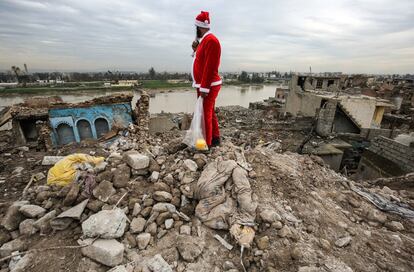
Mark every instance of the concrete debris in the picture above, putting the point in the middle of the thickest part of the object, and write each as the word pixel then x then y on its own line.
pixel 107 252
pixel 158 264
pixel 106 224
pixel 136 160
pixel 143 240
pixel 51 160
pixel 13 216
pixel 190 247
pixel 74 212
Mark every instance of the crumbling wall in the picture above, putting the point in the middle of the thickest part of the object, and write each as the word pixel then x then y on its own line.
pixel 326 118
pixel 142 114
pixel 396 152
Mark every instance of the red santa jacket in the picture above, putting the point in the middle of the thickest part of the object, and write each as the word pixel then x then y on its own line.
pixel 206 62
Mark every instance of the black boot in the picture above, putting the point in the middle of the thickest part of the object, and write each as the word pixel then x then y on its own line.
pixel 215 141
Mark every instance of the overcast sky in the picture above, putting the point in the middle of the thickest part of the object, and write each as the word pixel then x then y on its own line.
pixel 353 36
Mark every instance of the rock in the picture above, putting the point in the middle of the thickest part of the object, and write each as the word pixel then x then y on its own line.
pixel 143 240
pixel 169 179
pixel 43 223
pixel 285 232
pixel 136 210
pixel 107 175
pixel 162 196
pixel 27 227
pixel 376 216
pixel 42 196
pixel 161 186
pixel 263 242
pixel 136 160
pixel 107 252
pixel 158 264
pixel 4 236
pixel 95 205
pixel 104 191
pixel 190 165
pixel 74 212
pixel 105 224
pixel 23 264
pixel 200 160
pixel 121 176
pixel 277 225
pixel 185 230
pixel 130 239
pixel 154 176
pixel 72 194
pixel 394 226
pixel 343 242
pixel 169 223
pixel 269 216
pixel 60 223
pixel 13 217
pixel 152 229
pixel 32 211
pixel 137 225
pixel 228 265
pixel 100 167
pixel 162 217
pixel 324 244
pixel 190 247
pixel 14 245
pixel 146 211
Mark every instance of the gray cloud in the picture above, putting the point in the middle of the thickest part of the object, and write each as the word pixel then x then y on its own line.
pixel 372 36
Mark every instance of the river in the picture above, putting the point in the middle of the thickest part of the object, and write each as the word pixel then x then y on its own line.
pixel 173 101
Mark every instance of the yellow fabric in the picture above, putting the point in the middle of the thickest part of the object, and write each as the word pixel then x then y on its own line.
pixel 64 171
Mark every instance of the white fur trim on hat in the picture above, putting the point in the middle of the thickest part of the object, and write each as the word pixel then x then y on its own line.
pixel 204 24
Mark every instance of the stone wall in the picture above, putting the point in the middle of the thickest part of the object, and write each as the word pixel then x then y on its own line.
pixel 372 133
pixel 398 153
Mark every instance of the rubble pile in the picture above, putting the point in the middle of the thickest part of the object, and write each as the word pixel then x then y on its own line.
pixel 154 205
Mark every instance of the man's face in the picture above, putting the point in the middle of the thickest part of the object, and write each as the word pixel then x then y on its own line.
pixel 199 33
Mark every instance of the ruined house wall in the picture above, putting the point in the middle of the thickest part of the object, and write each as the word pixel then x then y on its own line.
pixel 302 103
pixel 326 118
pixel 396 152
pixel 372 133
pixel 361 109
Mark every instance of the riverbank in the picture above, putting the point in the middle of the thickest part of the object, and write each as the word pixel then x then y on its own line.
pixel 158 85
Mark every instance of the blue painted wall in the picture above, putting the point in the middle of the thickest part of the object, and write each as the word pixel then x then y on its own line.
pixel 119 114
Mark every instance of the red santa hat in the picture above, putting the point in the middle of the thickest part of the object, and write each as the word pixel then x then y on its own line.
pixel 203 20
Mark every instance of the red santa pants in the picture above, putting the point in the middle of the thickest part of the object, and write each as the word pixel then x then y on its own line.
pixel 210 118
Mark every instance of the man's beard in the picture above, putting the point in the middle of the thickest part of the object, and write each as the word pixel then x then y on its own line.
pixel 198 32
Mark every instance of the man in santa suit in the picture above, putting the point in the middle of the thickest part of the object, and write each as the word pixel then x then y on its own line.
pixel 206 61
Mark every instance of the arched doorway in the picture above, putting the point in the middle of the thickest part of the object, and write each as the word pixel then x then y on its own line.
pixel 65 134
pixel 101 126
pixel 84 129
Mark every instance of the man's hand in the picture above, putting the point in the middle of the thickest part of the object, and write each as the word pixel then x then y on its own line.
pixel 203 95
pixel 194 45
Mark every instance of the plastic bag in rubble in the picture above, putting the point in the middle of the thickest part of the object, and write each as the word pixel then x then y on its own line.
pixel 195 136
pixel 65 171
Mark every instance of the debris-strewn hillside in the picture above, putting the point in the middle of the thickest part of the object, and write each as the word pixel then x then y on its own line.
pixel 154 205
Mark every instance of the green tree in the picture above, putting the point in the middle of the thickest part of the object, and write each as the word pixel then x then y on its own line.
pixel 244 77
pixel 152 73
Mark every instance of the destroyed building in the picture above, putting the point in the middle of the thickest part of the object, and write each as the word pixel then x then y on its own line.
pixel 62 123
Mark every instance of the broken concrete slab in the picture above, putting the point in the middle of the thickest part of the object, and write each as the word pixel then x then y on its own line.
pixel 51 160
pixel 136 160
pixel 74 212
pixel 105 224
pixel 107 252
